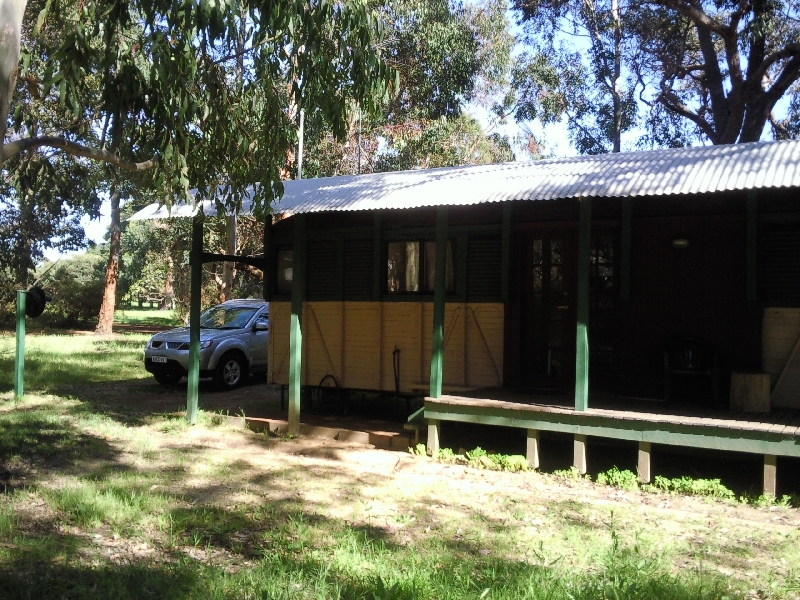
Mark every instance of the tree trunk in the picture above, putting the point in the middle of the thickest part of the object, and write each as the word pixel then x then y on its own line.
pixel 169 288
pixel 105 321
pixel 11 13
pixel 228 268
pixel 617 95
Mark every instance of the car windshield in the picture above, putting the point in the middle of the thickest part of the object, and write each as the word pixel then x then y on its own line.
pixel 226 317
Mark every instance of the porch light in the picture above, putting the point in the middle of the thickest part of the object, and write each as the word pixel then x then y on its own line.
pixel 680 243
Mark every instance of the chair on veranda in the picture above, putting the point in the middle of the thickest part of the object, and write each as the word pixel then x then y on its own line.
pixel 690 356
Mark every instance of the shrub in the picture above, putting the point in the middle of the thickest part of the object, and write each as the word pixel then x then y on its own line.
pixel 624 480
pixel 76 286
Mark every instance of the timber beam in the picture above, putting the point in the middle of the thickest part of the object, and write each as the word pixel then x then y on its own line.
pixel 579 453
pixel 707 437
pixel 644 462
pixel 770 474
pixel 532 450
pixel 253 261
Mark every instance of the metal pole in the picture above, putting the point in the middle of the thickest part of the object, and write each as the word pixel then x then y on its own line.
pixel 196 265
pixel 19 362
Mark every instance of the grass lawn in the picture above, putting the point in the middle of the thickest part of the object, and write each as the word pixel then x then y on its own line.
pixel 100 503
pixel 146 316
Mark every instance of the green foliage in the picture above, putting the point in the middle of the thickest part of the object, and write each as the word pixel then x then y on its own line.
pixel 418 450
pixel 203 91
pixel 635 69
pixel 571 474
pixel 694 487
pixel 446 54
pixel 76 286
pixel 624 480
pixel 477 459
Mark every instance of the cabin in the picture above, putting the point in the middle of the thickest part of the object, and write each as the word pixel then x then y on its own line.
pixel 651 296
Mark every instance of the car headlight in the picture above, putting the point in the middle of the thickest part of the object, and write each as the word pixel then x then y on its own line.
pixel 206 344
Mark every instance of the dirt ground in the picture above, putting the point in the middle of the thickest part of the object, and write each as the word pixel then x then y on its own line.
pixel 409 499
pixel 135 401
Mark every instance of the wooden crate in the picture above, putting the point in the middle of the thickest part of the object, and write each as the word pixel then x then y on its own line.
pixel 750 392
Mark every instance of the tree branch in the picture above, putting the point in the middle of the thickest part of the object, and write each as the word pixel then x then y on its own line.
pixel 788 51
pixel 696 15
pixel 675 105
pixel 790 74
pixel 11 149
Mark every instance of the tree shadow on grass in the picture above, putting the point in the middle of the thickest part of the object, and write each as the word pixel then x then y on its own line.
pixel 23 579
pixel 47 440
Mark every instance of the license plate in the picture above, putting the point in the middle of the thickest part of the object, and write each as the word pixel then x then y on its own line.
pixel 159 359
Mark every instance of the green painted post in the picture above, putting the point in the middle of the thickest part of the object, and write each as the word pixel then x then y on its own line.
pixel 19 362
pixel 296 322
pixel 582 339
pixel 266 272
pixel 505 267
pixel 437 340
pixel 196 265
pixel 625 258
pixel 752 246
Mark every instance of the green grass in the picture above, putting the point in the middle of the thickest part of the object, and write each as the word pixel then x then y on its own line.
pixel 146 316
pixel 55 361
pixel 92 506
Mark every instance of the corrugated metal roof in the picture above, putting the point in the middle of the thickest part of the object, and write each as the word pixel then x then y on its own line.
pixel 671 171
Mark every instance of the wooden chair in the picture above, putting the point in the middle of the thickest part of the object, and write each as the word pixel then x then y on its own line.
pixel 690 356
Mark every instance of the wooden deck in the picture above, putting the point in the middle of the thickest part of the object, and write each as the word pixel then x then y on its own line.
pixel 776 433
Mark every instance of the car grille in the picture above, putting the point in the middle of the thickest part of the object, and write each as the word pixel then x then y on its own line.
pixel 177 345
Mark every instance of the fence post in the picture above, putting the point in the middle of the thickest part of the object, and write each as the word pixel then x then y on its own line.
pixel 19 361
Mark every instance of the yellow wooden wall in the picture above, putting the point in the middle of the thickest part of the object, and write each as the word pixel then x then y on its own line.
pixel 354 342
pixel 780 333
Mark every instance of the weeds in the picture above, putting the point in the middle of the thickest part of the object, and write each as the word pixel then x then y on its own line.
pixel 624 480
pixel 710 488
pixel 571 474
pixel 477 459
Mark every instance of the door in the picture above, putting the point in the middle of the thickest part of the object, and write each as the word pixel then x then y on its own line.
pixel 548 311
pixel 259 340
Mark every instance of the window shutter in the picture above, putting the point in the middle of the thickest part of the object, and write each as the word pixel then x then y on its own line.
pixel 484 263
pixel 358 269
pixel 321 277
pixel 780 265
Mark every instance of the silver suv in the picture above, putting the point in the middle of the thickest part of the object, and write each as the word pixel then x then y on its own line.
pixel 233 343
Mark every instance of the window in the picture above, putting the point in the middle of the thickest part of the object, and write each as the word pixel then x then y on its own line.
pixel 602 306
pixel 226 317
pixel 412 268
pixel 284 276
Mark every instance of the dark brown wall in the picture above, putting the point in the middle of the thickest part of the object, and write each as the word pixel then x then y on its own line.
pixel 697 291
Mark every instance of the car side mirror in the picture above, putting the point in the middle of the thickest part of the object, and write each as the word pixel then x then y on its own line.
pixel 261 327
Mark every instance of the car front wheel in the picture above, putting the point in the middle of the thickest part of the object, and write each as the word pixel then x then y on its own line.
pixel 230 372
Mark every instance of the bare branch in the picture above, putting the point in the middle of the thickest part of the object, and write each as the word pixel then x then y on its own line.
pixel 788 51
pixel 672 103
pixel 11 149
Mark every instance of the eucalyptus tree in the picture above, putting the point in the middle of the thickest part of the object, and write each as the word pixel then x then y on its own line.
pixel 577 64
pixel 146 87
pixel 723 66
pixel 447 55
pixel 685 71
